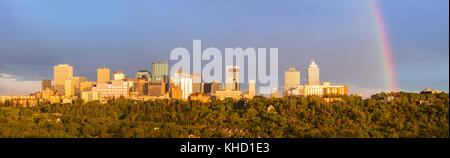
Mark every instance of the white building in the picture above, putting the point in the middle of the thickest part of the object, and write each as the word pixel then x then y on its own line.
pixel 313 74
pixel 184 82
pixel 119 75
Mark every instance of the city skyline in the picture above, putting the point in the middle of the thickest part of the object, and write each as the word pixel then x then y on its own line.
pixel 419 43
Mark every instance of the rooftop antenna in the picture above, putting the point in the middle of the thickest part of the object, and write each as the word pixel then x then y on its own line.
pixel 104 64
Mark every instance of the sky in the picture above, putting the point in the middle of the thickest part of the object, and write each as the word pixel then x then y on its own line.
pixel 129 35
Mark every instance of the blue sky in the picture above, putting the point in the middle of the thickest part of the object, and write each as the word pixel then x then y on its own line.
pixel 130 35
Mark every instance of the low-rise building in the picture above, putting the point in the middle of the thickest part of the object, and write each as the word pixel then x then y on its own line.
pixel 222 94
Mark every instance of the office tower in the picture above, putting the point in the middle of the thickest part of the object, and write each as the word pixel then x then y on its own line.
pixel 76 85
pixel 251 88
pixel 160 71
pixel 141 87
pixel 60 74
pixel 184 81
pixel 68 87
pixel 46 84
pixel 291 79
pixel 119 75
pixel 313 74
pixel 232 78
pixel 156 89
pixel 143 75
pixel 103 75
pixel 197 83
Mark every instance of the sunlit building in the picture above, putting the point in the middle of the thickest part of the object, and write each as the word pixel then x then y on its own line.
pixel 46 84
pixel 119 75
pixel 60 74
pixel 183 81
pixel 156 89
pixel 313 74
pixel 232 78
pixel 223 94
pixel 291 78
pixel 114 88
pixel 103 75
pixel 160 71
pixel 143 75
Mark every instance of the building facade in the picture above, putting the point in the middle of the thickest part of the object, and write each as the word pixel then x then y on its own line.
pixel 103 75
pixel 184 82
pixel 232 78
pixel 115 88
pixel 46 84
pixel 156 89
pixel 291 78
pixel 119 75
pixel 160 71
pixel 143 75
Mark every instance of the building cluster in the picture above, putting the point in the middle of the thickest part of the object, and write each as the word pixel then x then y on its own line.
pixel 157 84
pixel 292 86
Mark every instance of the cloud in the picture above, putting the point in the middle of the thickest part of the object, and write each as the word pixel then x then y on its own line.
pixel 10 85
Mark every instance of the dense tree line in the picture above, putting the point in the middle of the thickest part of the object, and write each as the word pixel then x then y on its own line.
pixel 408 115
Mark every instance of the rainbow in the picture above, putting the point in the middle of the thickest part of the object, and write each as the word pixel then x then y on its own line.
pixel 384 46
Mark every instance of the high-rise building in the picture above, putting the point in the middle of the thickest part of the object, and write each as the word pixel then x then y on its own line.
pixel 119 75
pixel 160 71
pixel 46 84
pixel 251 88
pixel 60 74
pixel 184 81
pixel 197 85
pixel 313 74
pixel 143 75
pixel 291 79
pixel 232 78
pixel 103 75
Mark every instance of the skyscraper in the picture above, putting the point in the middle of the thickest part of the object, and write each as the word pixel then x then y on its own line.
pixel 232 78
pixel 291 78
pixel 60 74
pixel 103 75
pixel 160 71
pixel 313 73
pixel 46 84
